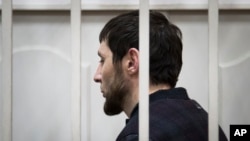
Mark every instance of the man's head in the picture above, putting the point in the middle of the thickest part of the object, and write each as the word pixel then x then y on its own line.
pixel 119 38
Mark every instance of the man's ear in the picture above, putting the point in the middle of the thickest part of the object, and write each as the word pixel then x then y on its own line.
pixel 132 61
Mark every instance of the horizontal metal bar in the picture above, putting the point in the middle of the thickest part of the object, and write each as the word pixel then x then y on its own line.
pixel 110 7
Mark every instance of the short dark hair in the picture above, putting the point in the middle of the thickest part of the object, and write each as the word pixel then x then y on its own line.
pixel 122 33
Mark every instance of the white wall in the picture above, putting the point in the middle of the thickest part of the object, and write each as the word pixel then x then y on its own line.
pixel 234 43
pixel 41 76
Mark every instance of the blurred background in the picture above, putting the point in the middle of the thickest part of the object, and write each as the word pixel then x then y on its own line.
pixel 42 64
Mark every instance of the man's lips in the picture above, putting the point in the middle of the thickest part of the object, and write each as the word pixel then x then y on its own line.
pixel 102 93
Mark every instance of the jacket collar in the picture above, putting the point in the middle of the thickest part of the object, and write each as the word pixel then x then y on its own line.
pixel 174 93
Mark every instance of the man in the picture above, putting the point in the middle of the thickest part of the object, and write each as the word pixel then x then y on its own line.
pixel 173 116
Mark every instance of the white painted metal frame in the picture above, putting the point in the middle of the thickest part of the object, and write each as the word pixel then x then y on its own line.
pixel 7 69
pixel 76 69
pixel 85 102
pixel 76 61
pixel 101 7
pixel 144 71
pixel 213 21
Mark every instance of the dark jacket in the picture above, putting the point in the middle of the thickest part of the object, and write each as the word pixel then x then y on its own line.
pixel 173 117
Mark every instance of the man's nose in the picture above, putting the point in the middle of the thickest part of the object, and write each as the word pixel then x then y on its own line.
pixel 97 76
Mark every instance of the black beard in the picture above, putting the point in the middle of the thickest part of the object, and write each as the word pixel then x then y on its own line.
pixel 116 94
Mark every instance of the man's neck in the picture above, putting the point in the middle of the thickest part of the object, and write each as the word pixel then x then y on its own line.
pixel 154 88
pixel 134 99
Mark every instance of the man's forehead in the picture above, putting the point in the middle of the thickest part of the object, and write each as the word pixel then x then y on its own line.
pixel 104 50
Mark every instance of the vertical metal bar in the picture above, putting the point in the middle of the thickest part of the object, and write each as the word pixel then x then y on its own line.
pixel 86 108
pixel 7 69
pixel 76 68
pixel 213 14
pixel 144 71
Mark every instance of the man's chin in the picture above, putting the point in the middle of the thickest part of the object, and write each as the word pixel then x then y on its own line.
pixel 112 113
pixel 110 110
